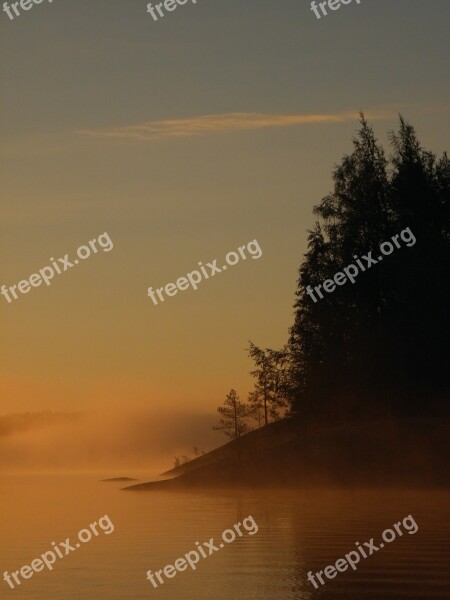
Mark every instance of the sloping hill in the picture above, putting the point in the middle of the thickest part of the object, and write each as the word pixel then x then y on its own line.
pixel 407 453
pixel 257 440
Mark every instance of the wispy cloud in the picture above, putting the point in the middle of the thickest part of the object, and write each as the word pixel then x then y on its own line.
pixel 221 123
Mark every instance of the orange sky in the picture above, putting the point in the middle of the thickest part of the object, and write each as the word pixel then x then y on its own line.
pixel 183 140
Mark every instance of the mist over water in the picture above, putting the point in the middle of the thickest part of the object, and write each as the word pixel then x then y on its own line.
pixel 113 442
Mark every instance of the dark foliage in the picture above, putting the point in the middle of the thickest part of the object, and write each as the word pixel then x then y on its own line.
pixel 381 345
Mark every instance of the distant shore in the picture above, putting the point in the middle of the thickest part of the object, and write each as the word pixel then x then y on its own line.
pixel 118 479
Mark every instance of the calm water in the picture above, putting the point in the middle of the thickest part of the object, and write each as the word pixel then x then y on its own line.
pixel 298 532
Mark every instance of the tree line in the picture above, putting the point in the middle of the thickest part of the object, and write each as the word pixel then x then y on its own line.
pixel 381 346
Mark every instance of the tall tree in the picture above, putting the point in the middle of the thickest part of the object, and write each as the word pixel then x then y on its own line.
pixel 420 310
pixel 272 385
pixel 233 416
pixel 381 344
pixel 256 407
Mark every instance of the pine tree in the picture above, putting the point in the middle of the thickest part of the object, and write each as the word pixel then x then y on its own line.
pixel 381 344
pixel 233 416
pixel 272 382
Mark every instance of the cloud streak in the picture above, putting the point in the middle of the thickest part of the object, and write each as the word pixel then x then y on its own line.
pixel 220 123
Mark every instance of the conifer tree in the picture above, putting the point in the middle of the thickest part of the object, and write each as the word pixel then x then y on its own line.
pixel 233 416
pixel 381 344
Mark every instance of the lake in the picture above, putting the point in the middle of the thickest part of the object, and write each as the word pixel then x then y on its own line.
pixel 297 532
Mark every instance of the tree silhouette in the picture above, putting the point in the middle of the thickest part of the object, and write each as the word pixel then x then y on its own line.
pixel 382 344
pixel 256 407
pixel 234 414
pixel 272 381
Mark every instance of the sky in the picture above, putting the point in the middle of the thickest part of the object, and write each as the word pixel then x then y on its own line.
pixel 183 139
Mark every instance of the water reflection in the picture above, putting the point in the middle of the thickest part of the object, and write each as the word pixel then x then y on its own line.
pixel 298 532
